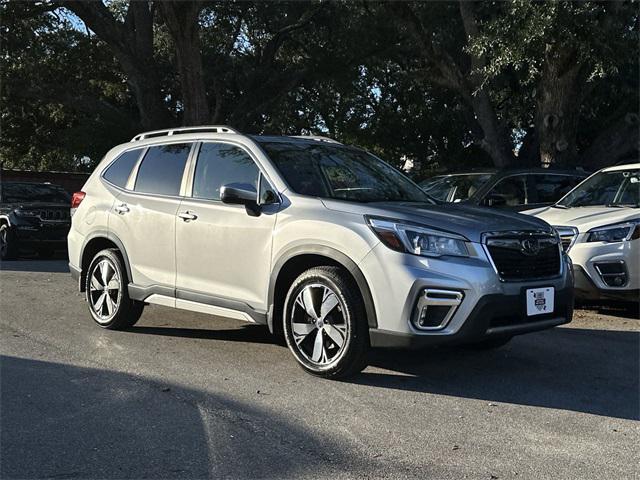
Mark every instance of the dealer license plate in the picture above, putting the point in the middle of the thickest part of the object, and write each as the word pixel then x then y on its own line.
pixel 539 301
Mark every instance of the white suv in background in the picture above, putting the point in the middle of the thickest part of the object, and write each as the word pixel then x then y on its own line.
pixel 599 223
pixel 320 241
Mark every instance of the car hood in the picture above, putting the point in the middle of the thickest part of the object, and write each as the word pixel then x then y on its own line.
pixel 468 221
pixel 585 218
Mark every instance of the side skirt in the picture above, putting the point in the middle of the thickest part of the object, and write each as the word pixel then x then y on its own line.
pixel 196 302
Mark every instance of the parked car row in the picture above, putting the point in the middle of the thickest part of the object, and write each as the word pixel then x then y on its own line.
pixel 33 216
pixel 514 190
pixel 330 246
pixel 597 217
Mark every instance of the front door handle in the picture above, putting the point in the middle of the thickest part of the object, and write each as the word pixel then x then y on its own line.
pixel 122 208
pixel 187 216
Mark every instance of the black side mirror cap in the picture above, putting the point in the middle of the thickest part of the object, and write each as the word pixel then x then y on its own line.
pixel 241 194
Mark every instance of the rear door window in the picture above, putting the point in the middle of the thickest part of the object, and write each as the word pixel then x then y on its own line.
pixel 551 188
pixel 162 168
pixel 508 192
pixel 118 172
pixel 220 164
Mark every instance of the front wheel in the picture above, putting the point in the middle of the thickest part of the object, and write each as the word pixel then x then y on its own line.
pixel 107 295
pixel 8 243
pixel 325 323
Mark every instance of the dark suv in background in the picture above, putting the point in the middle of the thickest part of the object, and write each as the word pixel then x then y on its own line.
pixel 33 216
pixel 510 189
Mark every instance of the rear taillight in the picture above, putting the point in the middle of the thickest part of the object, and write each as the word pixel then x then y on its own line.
pixel 76 200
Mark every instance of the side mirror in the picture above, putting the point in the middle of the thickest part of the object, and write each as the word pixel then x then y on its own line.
pixel 241 194
pixel 494 200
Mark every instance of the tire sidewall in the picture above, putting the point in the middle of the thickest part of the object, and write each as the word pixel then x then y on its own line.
pixel 10 239
pixel 115 261
pixel 349 312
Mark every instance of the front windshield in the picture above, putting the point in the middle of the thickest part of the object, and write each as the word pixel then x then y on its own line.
pixel 619 188
pixel 454 188
pixel 341 173
pixel 33 192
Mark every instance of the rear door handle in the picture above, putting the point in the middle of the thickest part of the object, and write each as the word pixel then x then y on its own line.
pixel 187 216
pixel 122 208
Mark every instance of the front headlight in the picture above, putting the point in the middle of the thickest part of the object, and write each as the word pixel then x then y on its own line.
pixel 404 237
pixel 618 232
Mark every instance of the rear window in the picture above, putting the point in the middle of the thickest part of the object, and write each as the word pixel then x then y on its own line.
pixel 161 169
pixel 118 172
pixel 552 188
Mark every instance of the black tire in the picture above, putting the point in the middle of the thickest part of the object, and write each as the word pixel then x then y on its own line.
pixel 348 317
pixel 489 343
pixel 8 243
pixel 125 312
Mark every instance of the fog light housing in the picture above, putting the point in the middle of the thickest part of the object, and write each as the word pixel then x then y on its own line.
pixel 613 274
pixel 435 308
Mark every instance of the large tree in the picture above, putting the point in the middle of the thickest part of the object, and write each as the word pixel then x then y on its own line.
pixel 525 71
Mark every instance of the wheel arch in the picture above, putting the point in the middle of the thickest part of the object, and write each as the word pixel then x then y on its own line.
pixel 298 259
pixel 98 241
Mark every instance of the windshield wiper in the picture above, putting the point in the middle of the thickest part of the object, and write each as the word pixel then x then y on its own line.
pixel 556 205
pixel 622 205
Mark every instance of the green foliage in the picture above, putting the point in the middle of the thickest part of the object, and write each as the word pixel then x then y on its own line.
pixel 344 69
pixel 62 98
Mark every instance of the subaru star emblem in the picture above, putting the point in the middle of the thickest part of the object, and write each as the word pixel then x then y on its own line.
pixel 530 246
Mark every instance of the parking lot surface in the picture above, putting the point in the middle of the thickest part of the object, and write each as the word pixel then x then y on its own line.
pixel 184 395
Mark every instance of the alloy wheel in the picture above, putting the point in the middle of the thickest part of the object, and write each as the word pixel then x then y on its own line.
pixel 104 290
pixel 319 328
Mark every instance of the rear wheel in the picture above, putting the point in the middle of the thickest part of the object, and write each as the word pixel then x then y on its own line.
pixel 325 323
pixel 8 243
pixel 107 295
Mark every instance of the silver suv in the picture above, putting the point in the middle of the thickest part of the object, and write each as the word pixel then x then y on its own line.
pixel 325 243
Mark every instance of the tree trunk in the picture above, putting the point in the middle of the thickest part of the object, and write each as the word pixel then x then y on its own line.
pixel 619 140
pixel 181 19
pixel 559 98
pixel 132 44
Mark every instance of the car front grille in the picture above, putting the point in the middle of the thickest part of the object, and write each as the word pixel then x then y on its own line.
pixel 520 256
pixel 567 236
pixel 52 215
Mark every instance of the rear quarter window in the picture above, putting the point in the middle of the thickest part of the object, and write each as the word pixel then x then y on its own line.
pixel 118 172
pixel 162 168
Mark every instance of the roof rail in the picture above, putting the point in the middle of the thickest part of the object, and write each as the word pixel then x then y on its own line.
pixel 317 138
pixel 179 130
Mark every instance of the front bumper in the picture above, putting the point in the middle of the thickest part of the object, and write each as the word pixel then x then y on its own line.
pixel 52 235
pixel 489 306
pixel 590 257
pixel 493 316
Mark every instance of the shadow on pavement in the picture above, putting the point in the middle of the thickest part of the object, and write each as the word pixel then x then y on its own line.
pixel 61 421
pixel 246 333
pixel 46 266
pixel 590 371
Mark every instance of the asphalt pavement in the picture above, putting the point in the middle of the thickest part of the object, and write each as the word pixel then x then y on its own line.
pixel 185 395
